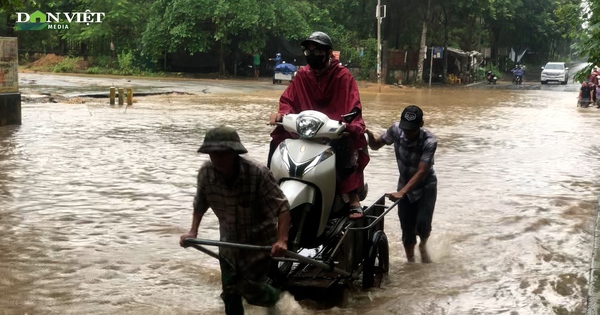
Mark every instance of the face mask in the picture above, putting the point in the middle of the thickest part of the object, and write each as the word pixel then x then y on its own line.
pixel 316 62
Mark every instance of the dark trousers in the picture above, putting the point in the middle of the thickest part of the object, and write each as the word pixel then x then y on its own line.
pixel 250 284
pixel 415 217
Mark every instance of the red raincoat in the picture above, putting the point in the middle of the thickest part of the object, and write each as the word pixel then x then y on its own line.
pixel 334 93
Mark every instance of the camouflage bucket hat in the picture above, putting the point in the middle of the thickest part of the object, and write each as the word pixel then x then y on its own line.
pixel 222 138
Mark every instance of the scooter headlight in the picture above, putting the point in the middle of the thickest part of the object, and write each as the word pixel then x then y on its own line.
pixel 308 126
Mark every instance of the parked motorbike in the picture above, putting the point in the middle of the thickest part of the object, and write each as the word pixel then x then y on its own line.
pixel 491 78
pixel 245 69
pixel 305 168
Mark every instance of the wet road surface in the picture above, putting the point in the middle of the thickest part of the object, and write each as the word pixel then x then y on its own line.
pixel 531 81
pixel 93 199
pixel 36 84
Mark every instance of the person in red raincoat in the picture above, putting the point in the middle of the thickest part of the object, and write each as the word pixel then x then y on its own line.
pixel 326 86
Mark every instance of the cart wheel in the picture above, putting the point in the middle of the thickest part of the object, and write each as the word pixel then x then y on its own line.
pixel 377 262
pixel 280 270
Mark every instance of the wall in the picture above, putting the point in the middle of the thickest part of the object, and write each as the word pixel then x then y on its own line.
pixel 10 98
pixel 10 109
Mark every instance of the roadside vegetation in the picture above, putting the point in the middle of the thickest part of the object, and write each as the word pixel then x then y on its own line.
pixel 141 37
pixel 123 65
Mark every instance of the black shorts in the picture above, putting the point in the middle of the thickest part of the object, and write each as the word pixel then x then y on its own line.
pixel 416 217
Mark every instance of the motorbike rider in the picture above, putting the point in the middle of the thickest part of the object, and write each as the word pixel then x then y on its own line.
pixel 585 94
pixel 490 76
pixel 517 73
pixel 277 59
pixel 326 86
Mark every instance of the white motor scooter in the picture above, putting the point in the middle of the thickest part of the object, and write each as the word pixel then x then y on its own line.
pixel 326 250
pixel 305 168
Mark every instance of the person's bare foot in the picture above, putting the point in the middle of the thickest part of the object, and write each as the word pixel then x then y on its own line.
pixel 410 252
pixel 356 212
pixel 424 254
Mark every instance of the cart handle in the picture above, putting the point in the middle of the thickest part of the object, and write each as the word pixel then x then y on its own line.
pixel 195 242
pixel 204 250
pixel 379 218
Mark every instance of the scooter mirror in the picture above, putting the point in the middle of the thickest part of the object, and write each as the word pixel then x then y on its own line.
pixel 348 118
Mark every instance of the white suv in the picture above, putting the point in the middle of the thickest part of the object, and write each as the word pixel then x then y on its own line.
pixel 555 71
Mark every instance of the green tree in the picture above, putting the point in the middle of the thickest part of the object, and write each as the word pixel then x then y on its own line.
pixel 122 25
pixel 224 27
pixel 568 16
pixel 588 43
pixel 229 29
pixel 10 8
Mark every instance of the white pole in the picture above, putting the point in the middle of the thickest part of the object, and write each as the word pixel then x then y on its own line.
pixel 431 66
pixel 378 16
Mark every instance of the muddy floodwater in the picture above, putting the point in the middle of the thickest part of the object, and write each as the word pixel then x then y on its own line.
pixel 93 199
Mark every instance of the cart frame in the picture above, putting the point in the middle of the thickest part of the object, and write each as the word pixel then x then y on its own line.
pixel 278 77
pixel 360 247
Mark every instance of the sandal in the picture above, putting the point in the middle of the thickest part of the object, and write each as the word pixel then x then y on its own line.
pixel 356 210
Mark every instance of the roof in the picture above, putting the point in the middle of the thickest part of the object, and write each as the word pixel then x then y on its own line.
pixel 463 53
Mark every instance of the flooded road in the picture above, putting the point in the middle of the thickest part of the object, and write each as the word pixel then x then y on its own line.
pixel 93 199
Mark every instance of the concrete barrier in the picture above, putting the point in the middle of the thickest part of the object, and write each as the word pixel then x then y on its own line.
pixel 10 109
pixel 112 95
pixel 121 96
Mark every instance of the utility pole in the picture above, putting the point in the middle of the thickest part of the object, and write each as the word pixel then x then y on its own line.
pixel 423 47
pixel 431 66
pixel 379 20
